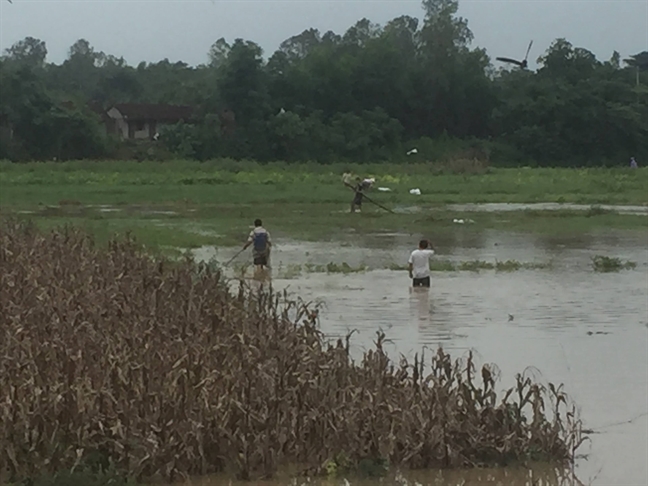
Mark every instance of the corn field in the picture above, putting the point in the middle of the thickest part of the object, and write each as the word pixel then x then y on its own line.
pixel 162 370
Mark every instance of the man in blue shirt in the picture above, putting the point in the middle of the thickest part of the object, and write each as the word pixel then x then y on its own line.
pixel 260 239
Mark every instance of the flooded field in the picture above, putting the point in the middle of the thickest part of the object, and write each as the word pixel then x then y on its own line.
pixel 585 329
pixel 541 206
pixel 499 207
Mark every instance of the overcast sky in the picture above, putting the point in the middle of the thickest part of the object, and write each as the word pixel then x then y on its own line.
pixel 150 30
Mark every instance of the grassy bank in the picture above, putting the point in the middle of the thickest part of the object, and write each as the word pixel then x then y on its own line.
pixel 189 204
pixel 227 181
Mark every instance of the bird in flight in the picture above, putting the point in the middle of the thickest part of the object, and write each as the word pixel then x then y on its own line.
pixel 522 64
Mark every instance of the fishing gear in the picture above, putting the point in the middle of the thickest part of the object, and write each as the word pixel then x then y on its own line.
pixel 232 259
pixel 377 204
pixel 267 265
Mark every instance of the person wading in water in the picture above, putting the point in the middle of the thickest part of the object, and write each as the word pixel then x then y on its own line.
pixel 260 239
pixel 419 264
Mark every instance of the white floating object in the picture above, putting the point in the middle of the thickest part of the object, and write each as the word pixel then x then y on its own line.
pixel 458 221
pixel 413 151
pixel 416 192
pixel 384 189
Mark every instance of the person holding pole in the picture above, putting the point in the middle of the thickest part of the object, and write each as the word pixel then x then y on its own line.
pixel 359 188
pixel 260 239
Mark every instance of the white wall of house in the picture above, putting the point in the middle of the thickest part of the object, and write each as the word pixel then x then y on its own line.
pixel 121 125
pixel 140 130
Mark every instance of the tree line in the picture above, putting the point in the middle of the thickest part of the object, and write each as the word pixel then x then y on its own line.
pixel 372 93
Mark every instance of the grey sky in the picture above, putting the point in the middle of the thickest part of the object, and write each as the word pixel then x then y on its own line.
pixel 150 30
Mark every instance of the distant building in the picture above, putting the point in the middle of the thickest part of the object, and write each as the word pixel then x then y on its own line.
pixel 137 121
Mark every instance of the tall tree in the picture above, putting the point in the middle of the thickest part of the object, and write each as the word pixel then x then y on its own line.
pixel 218 53
pixel 361 33
pixel 79 71
pixel 242 82
pixel 29 51
pixel 299 46
pixel 639 62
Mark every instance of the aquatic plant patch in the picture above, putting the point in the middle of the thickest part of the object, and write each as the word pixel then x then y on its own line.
pixel 602 263
pixel 440 265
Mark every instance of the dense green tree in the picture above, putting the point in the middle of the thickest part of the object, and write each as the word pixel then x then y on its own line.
pixel 218 53
pixel 242 82
pixel 361 95
pixel 639 60
pixel 640 64
pixel 40 127
pixel 299 46
pixel 29 51
pixel 174 83
pixel 575 110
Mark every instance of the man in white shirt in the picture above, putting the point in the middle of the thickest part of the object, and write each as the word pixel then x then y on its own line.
pixel 419 264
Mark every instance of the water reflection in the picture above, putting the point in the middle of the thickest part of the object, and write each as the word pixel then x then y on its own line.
pixel 420 304
pixel 511 476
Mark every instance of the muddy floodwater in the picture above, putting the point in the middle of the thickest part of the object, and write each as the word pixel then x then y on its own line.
pixel 503 207
pixel 585 329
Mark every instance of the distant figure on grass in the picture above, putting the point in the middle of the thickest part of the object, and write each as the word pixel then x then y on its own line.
pixel 359 187
pixel 633 163
pixel 260 239
pixel 419 264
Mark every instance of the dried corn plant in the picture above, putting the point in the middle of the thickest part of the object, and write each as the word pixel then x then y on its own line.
pixel 165 372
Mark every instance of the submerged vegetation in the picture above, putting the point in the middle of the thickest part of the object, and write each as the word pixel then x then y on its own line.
pixel 500 266
pixel 292 270
pixel 149 367
pixel 602 263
